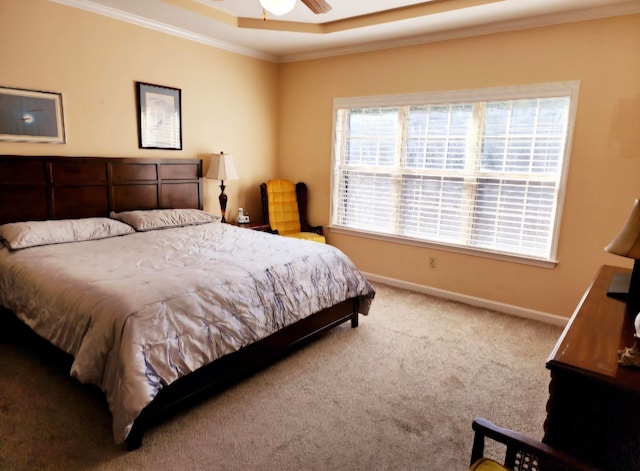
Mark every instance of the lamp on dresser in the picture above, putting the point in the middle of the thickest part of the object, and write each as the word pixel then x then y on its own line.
pixel 627 286
pixel 222 168
pixel 627 244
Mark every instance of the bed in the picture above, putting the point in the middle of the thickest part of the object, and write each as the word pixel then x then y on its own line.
pixel 158 303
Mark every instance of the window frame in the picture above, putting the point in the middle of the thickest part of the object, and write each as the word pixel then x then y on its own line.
pixel 528 91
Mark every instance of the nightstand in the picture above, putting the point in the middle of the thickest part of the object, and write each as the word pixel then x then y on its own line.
pixel 255 226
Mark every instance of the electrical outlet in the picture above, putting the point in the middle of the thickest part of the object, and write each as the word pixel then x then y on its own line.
pixel 432 262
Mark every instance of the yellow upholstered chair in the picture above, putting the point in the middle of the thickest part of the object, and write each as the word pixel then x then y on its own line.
pixel 522 453
pixel 284 208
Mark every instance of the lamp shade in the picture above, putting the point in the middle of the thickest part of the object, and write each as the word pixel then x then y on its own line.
pixel 278 7
pixel 222 167
pixel 627 242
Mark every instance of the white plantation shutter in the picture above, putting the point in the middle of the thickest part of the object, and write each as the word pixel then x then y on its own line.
pixel 479 169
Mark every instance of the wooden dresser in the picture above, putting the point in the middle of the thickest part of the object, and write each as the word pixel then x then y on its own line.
pixel 594 404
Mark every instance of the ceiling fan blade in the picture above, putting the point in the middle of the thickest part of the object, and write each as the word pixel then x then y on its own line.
pixel 317 6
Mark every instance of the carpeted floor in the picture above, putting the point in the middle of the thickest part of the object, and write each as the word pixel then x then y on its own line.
pixel 397 393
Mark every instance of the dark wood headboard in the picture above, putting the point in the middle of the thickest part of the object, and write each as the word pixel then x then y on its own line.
pixel 43 187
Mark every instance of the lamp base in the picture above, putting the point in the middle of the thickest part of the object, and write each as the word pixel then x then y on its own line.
pixel 626 288
pixel 619 287
pixel 223 202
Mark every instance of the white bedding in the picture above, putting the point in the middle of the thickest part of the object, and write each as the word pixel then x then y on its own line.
pixel 141 310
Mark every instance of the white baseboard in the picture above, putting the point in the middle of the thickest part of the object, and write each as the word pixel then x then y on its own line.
pixel 471 300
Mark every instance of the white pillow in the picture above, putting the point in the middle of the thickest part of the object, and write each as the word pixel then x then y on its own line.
pixel 149 220
pixel 20 235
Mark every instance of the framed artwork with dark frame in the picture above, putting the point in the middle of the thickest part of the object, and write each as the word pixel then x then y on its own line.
pixel 31 116
pixel 159 117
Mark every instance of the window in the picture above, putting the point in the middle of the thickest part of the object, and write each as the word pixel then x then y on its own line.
pixel 480 170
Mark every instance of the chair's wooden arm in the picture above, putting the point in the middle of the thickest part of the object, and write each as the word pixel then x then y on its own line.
pixel 301 195
pixel 316 229
pixel 264 202
pixel 516 441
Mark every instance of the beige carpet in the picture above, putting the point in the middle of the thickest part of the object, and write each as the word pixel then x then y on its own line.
pixel 397 393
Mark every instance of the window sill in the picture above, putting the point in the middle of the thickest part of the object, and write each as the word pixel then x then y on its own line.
pixel 446 247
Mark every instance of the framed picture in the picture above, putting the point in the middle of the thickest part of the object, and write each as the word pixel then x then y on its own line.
pixel 159 117
pixel 31 116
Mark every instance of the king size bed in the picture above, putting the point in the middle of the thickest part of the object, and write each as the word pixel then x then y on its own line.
pixel 113 261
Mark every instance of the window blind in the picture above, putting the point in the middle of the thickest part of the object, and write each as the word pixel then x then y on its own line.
pixel 485 174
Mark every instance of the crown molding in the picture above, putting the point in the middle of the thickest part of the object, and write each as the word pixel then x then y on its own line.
pixel 620 9
pixel 164 28
pixel 498 27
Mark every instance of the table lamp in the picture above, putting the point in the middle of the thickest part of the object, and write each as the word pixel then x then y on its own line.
pixel 222 168
pixel 627 244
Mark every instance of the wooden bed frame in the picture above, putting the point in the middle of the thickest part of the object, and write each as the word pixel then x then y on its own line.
pixel 44 187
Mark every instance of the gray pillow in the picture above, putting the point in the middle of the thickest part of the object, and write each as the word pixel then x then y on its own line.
pixel 21 235
pixel 149 220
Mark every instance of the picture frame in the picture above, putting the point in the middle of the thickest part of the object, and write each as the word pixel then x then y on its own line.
pixel 31 116
pixel 159 117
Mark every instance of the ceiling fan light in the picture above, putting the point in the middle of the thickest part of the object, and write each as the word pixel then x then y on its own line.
pixel 278 7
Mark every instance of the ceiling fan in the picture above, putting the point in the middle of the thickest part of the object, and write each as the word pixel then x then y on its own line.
pixel 280 7
pixel 317 6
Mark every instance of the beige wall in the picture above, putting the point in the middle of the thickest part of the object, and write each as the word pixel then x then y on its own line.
pixel 229 101
pixel 604 172
pixel 276 120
